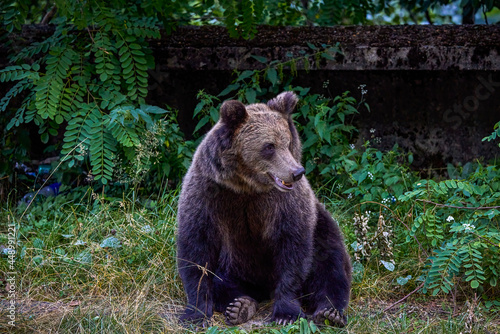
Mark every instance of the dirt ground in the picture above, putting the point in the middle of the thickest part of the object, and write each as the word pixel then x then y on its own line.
pixel 36 312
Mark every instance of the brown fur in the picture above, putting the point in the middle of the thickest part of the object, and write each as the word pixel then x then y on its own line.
pixel 249 218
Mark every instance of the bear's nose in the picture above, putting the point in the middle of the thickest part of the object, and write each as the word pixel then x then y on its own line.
pixel 297 174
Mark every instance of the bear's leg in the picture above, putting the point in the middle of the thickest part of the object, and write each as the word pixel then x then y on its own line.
pixel 328 286
pixel 198 252
pixel 233 300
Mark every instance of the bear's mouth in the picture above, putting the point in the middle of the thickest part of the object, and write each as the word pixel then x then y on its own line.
pixel 282 185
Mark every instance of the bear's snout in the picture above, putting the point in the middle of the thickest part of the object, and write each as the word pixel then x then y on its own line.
pixel 297 174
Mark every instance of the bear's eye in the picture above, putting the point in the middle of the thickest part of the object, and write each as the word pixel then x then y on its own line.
pixel 268 150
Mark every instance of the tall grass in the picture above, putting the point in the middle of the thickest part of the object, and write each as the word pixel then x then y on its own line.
pixel 87 263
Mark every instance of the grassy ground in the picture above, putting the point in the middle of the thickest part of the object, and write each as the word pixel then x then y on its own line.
pixel 90 264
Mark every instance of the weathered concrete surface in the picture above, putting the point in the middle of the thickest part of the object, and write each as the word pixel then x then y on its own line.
pixel 447 47
pixel 433 90
pixel 363 47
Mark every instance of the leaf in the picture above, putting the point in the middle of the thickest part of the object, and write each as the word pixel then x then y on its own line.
pixel 260 59
pixel 84 257
pixel 59 119
pixel 199 107
pixel 246 74
pixel 328 56
pixel 360 176
pixel 229 89
pixel 250 95
pixel 102 148
pixel 388 265
pixel 110 242
pixel 272 75
pixel 403 280
pixel 474 284
pixel 44 137
pixel 153 109
pixel 356 247
pixel 311 46
pixel 310 141
pixel 201 123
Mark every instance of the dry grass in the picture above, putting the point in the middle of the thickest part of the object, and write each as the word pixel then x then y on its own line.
pixel 74 285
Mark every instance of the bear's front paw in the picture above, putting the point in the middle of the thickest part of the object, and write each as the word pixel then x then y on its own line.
pixel 286 314
pixel 193 317
pixel 241 310
pixel 334 316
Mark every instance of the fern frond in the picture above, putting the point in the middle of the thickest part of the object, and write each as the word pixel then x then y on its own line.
pixel 122 128
pixel 15 73
pixel 107 65
pixel 18 119
pixel 77 135
pixel 473 259
pixel 102 148
pixel 16 89
pixel 445 266
pixel 49 88
pixel 44 46
pixel 249 24
pixel 145 27
pixel 134 63
pixel 230 17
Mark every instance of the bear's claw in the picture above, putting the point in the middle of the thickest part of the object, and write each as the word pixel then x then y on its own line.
pixel 283 322
pixel 334 316
pixel 240 310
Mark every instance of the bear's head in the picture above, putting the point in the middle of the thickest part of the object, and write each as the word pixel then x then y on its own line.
pixel 263 148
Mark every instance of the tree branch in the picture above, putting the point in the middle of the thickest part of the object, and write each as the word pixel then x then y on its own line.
pixel 403 299
pixel 460 207
pixel 46 19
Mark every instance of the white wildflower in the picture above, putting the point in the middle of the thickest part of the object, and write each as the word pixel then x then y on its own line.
pixel 468 227
pixel 362 89
pixel 449 219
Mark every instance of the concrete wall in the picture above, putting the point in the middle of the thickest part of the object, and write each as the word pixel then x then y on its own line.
pixel 434 90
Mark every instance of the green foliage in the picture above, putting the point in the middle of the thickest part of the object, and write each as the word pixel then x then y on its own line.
pixel 324 126
pixel 375 175
pixel 95 64
pixel 91 74
pixel 241 18
pixel 495 134
pixel 459 219
pixel 337 12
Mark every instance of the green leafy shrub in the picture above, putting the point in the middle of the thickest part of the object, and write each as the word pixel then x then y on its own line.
pixel 377 176
pixel 89 80
pixel 459 220
pixel 495 134
pixel 326 132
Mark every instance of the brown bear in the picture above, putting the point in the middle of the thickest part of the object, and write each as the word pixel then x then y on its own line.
pixel 251 228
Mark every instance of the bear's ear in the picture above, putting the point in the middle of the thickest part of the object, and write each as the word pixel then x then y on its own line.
pixel 284 103
pixel 233 113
